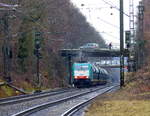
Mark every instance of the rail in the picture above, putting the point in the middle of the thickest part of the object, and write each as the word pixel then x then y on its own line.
pixel 50 104
pixel 23 98
pixel 81 105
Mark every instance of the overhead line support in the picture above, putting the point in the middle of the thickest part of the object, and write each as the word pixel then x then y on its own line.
pixel 121 45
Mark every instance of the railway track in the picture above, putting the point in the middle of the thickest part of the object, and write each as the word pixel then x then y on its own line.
pixel 73 99
pixel 16 104
pixel 2 83
pixel 73 110
pixel 22 98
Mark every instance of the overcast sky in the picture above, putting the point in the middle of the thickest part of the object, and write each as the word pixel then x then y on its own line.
pixel 105 17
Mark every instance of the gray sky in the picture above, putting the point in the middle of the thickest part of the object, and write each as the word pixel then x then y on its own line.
pixel 104 17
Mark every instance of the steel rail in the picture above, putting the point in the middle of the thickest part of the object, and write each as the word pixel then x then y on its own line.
pixel 27 95
pixel 50 104
pixel 22 98
pixel 2 83
pixel 76 108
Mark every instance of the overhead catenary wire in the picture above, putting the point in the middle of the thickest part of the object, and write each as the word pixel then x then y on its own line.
pixel 108 23
pixel 107 33
pixel 23 13
pixel 36 22
pixel 115 7
pixel 43 27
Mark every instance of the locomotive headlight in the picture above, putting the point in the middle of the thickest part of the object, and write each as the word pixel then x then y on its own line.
pixel 75 77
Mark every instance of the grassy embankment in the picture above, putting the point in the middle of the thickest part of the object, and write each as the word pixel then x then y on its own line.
pixel 6 91
pixel 132 100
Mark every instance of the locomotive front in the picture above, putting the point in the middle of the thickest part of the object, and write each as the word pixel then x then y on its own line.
pixel 81 74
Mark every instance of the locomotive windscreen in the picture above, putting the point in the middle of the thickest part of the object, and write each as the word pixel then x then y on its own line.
pixel 80 67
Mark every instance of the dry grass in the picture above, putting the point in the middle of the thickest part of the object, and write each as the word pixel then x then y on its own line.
pixel 120 108
pixel 133 100
pixel 120 103
pixel 6 91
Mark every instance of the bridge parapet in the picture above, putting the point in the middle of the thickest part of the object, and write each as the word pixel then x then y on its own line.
pixel 93 52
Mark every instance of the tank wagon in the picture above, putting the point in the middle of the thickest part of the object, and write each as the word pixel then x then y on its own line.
pixel 87 74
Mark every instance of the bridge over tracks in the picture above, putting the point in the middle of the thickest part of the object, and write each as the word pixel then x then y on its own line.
pixel 70 53
pixel 92 52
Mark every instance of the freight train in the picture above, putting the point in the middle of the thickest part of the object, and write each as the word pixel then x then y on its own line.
pixel 87 74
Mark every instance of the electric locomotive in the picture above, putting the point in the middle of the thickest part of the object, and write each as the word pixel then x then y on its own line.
pixel 88 74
